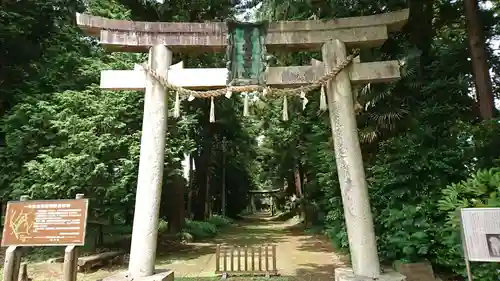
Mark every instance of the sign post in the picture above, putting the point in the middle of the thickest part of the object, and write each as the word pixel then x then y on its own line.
pixel 71 257
pixel 13 254
pixel 480 231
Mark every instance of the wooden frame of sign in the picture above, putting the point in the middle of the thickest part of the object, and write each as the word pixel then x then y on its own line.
pixel 480 232
pixel 44 223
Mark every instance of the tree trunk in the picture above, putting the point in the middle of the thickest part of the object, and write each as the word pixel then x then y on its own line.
pixel 208 198
pixel 290 184
pixel 203 163
pixel 299 192
pixel 298 182
pixel 223 195
pixel 201 171
pixel 420 29
pixel 190 188
pixel 129 217
pixel 175 207
pixel 480 69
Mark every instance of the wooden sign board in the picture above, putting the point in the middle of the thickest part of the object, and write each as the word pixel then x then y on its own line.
pixel 45 223
pixel 481 233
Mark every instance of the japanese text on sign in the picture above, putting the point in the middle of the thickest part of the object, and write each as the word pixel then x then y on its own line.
pixel 481 230
pixel 45 223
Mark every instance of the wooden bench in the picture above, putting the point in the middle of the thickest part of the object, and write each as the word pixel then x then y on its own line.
pixel 89 262
pixel 246 261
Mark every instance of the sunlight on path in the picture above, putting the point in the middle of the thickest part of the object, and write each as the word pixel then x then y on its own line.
pixel 300 256
pixel 306 256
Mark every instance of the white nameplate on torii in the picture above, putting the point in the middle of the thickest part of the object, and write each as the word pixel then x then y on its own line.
pixel 206 78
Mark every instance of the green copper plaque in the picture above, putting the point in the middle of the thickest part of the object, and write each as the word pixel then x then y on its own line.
pixel 246 53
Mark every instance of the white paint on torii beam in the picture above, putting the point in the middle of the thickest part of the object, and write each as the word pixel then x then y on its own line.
pixel 209 78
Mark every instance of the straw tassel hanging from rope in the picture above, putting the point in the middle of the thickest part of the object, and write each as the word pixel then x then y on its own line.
pixel 212 110
pixel 177 105
pixel 265 91
pixel 228 93
pixel 322 99
pixel 285 109
pixel 304 99
pixel 245 104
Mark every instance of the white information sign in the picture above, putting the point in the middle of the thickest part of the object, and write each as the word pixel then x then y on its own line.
pixel 481 233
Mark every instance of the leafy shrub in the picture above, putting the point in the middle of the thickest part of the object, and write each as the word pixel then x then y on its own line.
pixel 337 234
pixel 406 179
pixel 335 224
pixel 408 233
pixel 184 236
pixel 220 221
pixel 162 226
pixel 201 229
pixel 481 190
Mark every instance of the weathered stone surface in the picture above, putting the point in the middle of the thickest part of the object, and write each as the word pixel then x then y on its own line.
pixel 210 78
pixel 346 274
pixel 367 31
pixel 151 163
pixel 165 275
pixel 415 271
pixel 350 170
pixel 93 24
pixel 136 41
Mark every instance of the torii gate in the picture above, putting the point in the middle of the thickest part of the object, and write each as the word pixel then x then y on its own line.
pixel 331 37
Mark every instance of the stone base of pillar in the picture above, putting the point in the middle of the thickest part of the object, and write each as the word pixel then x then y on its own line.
pixel 162 275
pixel 346 274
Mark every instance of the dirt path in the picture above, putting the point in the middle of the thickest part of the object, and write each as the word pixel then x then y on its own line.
pixel 304 256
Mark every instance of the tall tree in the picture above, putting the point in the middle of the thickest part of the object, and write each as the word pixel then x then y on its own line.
pixel 479 60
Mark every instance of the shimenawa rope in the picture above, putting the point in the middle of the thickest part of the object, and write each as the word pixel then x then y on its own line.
pixel 299 91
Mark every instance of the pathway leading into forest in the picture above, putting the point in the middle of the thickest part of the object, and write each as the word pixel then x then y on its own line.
pixel 307 257
pixel 301 255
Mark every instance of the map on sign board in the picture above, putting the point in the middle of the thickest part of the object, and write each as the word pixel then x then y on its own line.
pixel 481 229
pixel 45 223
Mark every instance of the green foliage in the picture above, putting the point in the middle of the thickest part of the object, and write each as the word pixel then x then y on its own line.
pixel 195 230
pixel 418 135
pixel 482 189
pixel 405 182
pixel 220 221
pixel 205 229
pixel 408 233
pixel 61 135
pixel 163 226
pixel 201 229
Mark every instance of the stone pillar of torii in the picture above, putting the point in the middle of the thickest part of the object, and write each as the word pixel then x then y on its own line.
pixel 333 38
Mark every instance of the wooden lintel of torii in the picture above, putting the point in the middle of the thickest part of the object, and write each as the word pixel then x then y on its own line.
pixel 136 36
pixel 280 77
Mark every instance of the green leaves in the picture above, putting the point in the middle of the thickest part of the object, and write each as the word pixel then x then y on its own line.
pixel 479 190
